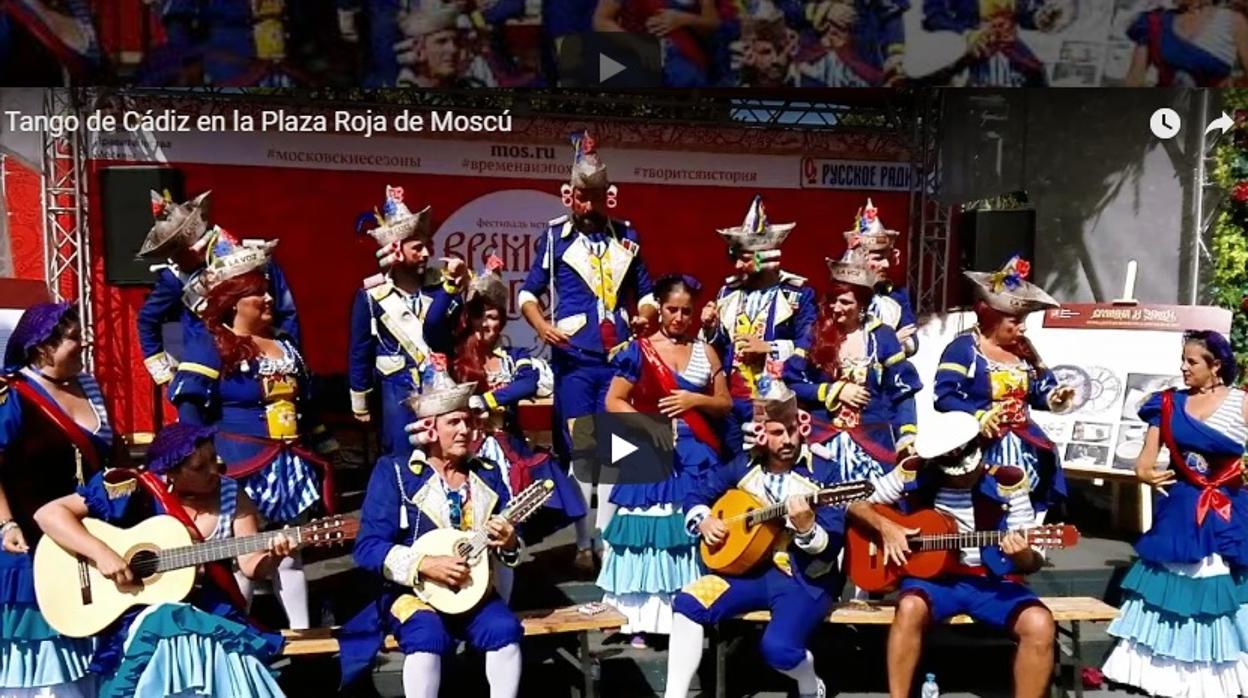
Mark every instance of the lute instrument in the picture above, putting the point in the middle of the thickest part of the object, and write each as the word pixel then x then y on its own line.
pixel 472 547
pixel 754 527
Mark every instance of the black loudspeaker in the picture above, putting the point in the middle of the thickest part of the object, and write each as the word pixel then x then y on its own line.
pixel 127 213
pixel 990 238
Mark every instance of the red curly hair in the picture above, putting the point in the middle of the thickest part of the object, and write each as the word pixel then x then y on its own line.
pixel 828 338
pixel 471 354
pixel 222 302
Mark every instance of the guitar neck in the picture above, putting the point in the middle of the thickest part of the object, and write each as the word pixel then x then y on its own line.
pixel 778 510
pixel 214 550
pixel 956 541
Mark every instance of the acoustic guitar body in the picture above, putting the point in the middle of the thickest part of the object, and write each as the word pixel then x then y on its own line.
pixel 865 554
pixel 745 545
pixel 78 601
pixel 447 541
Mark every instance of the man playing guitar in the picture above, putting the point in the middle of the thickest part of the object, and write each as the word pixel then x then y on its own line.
pixel 799 583
pixel 987 584
pixel 442 485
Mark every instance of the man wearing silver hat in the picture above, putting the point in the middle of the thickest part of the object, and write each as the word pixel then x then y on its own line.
pixel 802 581
pixel 441 485
pixel 433 52
pixel 872 244
pixel 388 348
pixel 761 314
pixel 184 242
pixel 949 476
pixel 592 267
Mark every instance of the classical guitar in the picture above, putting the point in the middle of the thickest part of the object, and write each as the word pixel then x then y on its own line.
pixel 934 550
pixel 754 527
pixel 472 546
pixel 78 601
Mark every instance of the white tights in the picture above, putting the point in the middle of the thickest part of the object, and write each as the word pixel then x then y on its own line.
pixel 584 536
pixel 684 654
pixel 291 586
pixel 422 673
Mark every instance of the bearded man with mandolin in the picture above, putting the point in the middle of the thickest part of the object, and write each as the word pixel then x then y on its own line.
pixel 798 580
pixel 964 549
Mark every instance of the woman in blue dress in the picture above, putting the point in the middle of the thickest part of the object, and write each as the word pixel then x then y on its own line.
pixel 1199 43
pixel 54 430
pixel 205 646
pixel 505 376
pixel 993 372
pixel 994 54
pixel 856 383
pixel 649 554
pixel 1181 631
pixel 254 386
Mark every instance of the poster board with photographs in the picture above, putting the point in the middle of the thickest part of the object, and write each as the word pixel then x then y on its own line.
pixel 1114 357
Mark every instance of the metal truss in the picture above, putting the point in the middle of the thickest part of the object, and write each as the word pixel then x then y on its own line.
pixel 67 243
pixel 930 244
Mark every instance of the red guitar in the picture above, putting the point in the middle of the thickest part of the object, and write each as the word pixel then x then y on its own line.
pixel 934 550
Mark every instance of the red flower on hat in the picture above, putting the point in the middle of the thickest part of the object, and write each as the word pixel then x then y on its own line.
pixel 1240 192
pixel 589 144
pixel 394 193
pixel 438 361
pixel 1023 267
pixel 493 263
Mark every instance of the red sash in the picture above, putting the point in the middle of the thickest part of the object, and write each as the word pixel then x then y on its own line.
pixel 1229 469
pixel 683 39
pixel 269 450
pixel 217 572
pixel 661 375
pixel 71 429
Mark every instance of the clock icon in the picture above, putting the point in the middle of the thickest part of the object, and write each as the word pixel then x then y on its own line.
pixel 1165 123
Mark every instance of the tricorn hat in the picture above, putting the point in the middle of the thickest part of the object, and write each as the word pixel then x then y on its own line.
pixel 777 404
pixel 1008 290
pixel 868 234
pixel 763 21
pixel 851 273
pixel 227 259
pixel 588 169
pixel 439 393
pixel 428 17
pixel 394 222
pixel 176 225
pixel 489 284
pixel 756 233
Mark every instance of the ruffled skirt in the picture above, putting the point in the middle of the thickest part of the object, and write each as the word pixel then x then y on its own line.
pixel 32 655
pixel 1181 632
pixel 180 650
pixel 649 557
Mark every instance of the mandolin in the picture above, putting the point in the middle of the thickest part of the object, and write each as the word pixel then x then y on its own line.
pixel 472 547
pixel 78 601
pixel 753 528
pixel 935 550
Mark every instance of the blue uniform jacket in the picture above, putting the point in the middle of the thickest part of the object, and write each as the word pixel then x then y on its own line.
pixel 566 268
pixel 891 379
pixel 378 359
pixel 963 385
pixel 164 305
pixel 816 573
pixel 405 500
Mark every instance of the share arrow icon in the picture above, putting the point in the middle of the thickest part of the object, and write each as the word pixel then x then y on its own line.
pixel 1222 123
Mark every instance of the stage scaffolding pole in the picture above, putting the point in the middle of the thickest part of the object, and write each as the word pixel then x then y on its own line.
pixel 930 245
pixel 67 243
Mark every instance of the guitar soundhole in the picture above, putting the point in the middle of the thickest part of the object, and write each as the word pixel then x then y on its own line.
pixel 143 563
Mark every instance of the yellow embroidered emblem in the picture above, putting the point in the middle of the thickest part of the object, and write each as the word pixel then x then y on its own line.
pixel 117 490
pixel 406 606
pixel 707 590
pixel 780 553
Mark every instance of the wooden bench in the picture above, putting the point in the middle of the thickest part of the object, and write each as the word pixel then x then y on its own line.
pixel 1070 610
pixel 557 621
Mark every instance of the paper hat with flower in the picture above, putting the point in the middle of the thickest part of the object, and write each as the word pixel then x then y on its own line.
pixel 394 222
pixel 227 258
pixel 756 233
pixel 439 393
pixel 588 169
pixel 427 17
pixel 868 234
pixel 176 226
pixel 489 284
pixel 852 273
pixel 1007 290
